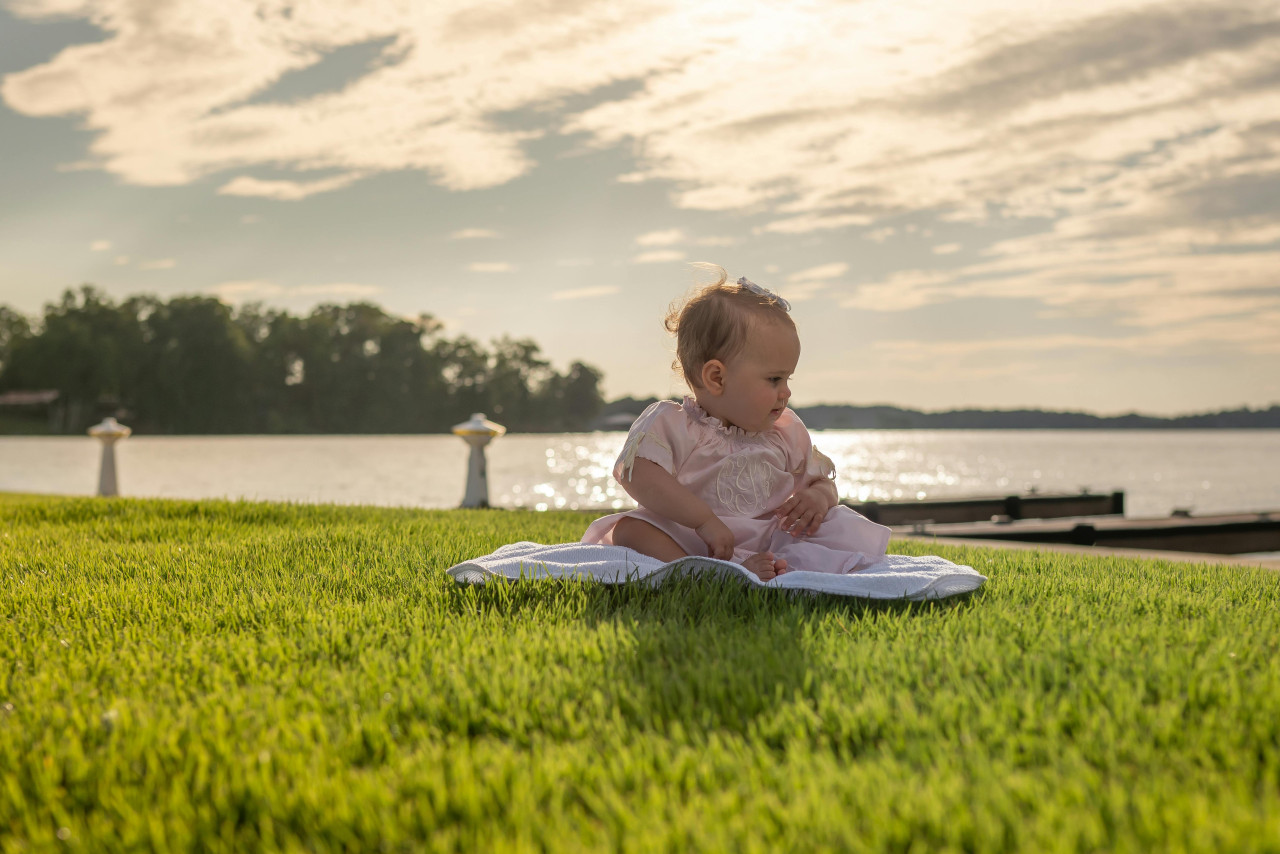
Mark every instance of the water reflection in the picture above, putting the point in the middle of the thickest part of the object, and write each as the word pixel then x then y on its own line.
pixel 1211 471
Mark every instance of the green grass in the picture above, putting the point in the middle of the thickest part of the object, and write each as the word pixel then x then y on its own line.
pixel 232 676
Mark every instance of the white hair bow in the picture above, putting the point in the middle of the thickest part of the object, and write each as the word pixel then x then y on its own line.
pixel 764 292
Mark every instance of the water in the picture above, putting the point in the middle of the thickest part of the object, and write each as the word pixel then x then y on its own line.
pixel 1206 471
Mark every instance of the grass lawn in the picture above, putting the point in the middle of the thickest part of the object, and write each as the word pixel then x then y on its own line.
pixel 232 676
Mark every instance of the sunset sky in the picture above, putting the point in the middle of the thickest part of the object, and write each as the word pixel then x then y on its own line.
pixel 986 204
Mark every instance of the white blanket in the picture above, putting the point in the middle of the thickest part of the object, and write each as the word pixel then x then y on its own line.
pixel 893 577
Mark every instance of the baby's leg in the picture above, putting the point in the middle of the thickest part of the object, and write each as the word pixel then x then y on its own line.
pixel 765 566
pixel 638 535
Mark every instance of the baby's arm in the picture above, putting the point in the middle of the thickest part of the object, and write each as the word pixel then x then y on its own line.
pixel 656 490
pixel 804 511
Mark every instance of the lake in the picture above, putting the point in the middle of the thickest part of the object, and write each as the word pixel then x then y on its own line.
pixel 1205 471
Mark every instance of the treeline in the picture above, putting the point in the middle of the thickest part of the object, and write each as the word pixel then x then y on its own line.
pixel 849 417
pixel 894 418
pixel 193 364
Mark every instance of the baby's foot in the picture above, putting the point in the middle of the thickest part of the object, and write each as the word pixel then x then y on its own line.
pixel 764 566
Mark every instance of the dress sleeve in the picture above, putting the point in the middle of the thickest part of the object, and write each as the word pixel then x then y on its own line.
pixel 660 434
pixel 803 458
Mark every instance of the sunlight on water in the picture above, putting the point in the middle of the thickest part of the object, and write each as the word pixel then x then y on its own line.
pixel 1210 471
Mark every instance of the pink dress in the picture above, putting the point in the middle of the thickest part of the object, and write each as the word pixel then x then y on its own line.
pixel 744 477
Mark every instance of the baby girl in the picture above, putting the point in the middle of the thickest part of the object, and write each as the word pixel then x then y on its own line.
pixel 731 472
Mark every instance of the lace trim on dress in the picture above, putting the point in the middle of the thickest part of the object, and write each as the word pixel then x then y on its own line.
pixel 700 415
pixel 825 465
pixel 632 447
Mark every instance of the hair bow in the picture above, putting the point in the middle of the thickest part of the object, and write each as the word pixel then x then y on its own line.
pixel 764 292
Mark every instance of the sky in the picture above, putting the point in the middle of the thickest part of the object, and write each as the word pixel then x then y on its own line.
pixel 980 204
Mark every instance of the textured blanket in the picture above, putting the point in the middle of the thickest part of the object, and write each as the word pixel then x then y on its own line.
pixel 894 577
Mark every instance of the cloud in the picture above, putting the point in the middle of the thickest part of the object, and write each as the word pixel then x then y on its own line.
pixel 473 234
pixel 349 290
pixel 158 264
pixel 100 245
pixel 822 272
pixel 661 238
pixel 248 290
pixel 587 293
pixel 242 290
pixel 1134 145
pixel 818 221
pixel 946 249
pixel 179 94
pixel 658 256
pixel 286 191
pixel 975 104
pixel 808 283
pixel 491 267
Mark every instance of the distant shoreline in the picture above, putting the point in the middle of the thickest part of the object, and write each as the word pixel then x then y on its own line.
pixel 885 417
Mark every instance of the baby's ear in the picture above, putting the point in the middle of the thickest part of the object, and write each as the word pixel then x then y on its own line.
pixel 712 376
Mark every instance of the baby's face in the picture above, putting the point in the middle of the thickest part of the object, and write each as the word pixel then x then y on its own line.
pixel 757 380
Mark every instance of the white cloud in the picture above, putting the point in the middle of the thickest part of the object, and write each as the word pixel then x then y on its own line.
pixel 661 238
pixel 808 283
pixel 1139 137
pixel 121 260
pixel 491 267
pixel 285 191
pixel 248 290
pixel 587 293
pixel 100 245
pixel 817 221
pixel 349 290
pixel 802 291
pixel 245 290
pixel 250 219
pixel 158 264
pixel 574 262
pixel 820 273
pixel 658 256
pixel 473 234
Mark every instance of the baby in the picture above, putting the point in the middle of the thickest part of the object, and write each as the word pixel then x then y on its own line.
pixel 731 472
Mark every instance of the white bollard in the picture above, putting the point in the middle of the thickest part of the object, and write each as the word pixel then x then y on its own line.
pixel 108 432
pixel 477 433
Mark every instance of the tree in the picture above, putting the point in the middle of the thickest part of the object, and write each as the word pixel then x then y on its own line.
pixel 80 350
pixel 194 365
pixel 15 332
pixel 575 397
pixel 192 368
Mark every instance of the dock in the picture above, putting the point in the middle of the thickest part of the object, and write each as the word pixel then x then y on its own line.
pixel 985 508
pixel 1240 533
pixel 1081 519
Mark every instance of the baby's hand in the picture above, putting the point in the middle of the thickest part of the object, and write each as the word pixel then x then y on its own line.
pixel 804 511
pixel 719 539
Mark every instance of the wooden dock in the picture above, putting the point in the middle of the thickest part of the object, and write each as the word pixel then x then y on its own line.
pixel 986 508
pixel 1241 533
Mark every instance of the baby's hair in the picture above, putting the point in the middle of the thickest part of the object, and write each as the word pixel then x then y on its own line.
pixel 713 321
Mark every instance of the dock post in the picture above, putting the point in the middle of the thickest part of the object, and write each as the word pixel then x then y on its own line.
pixel 108 432
pixel 477 433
